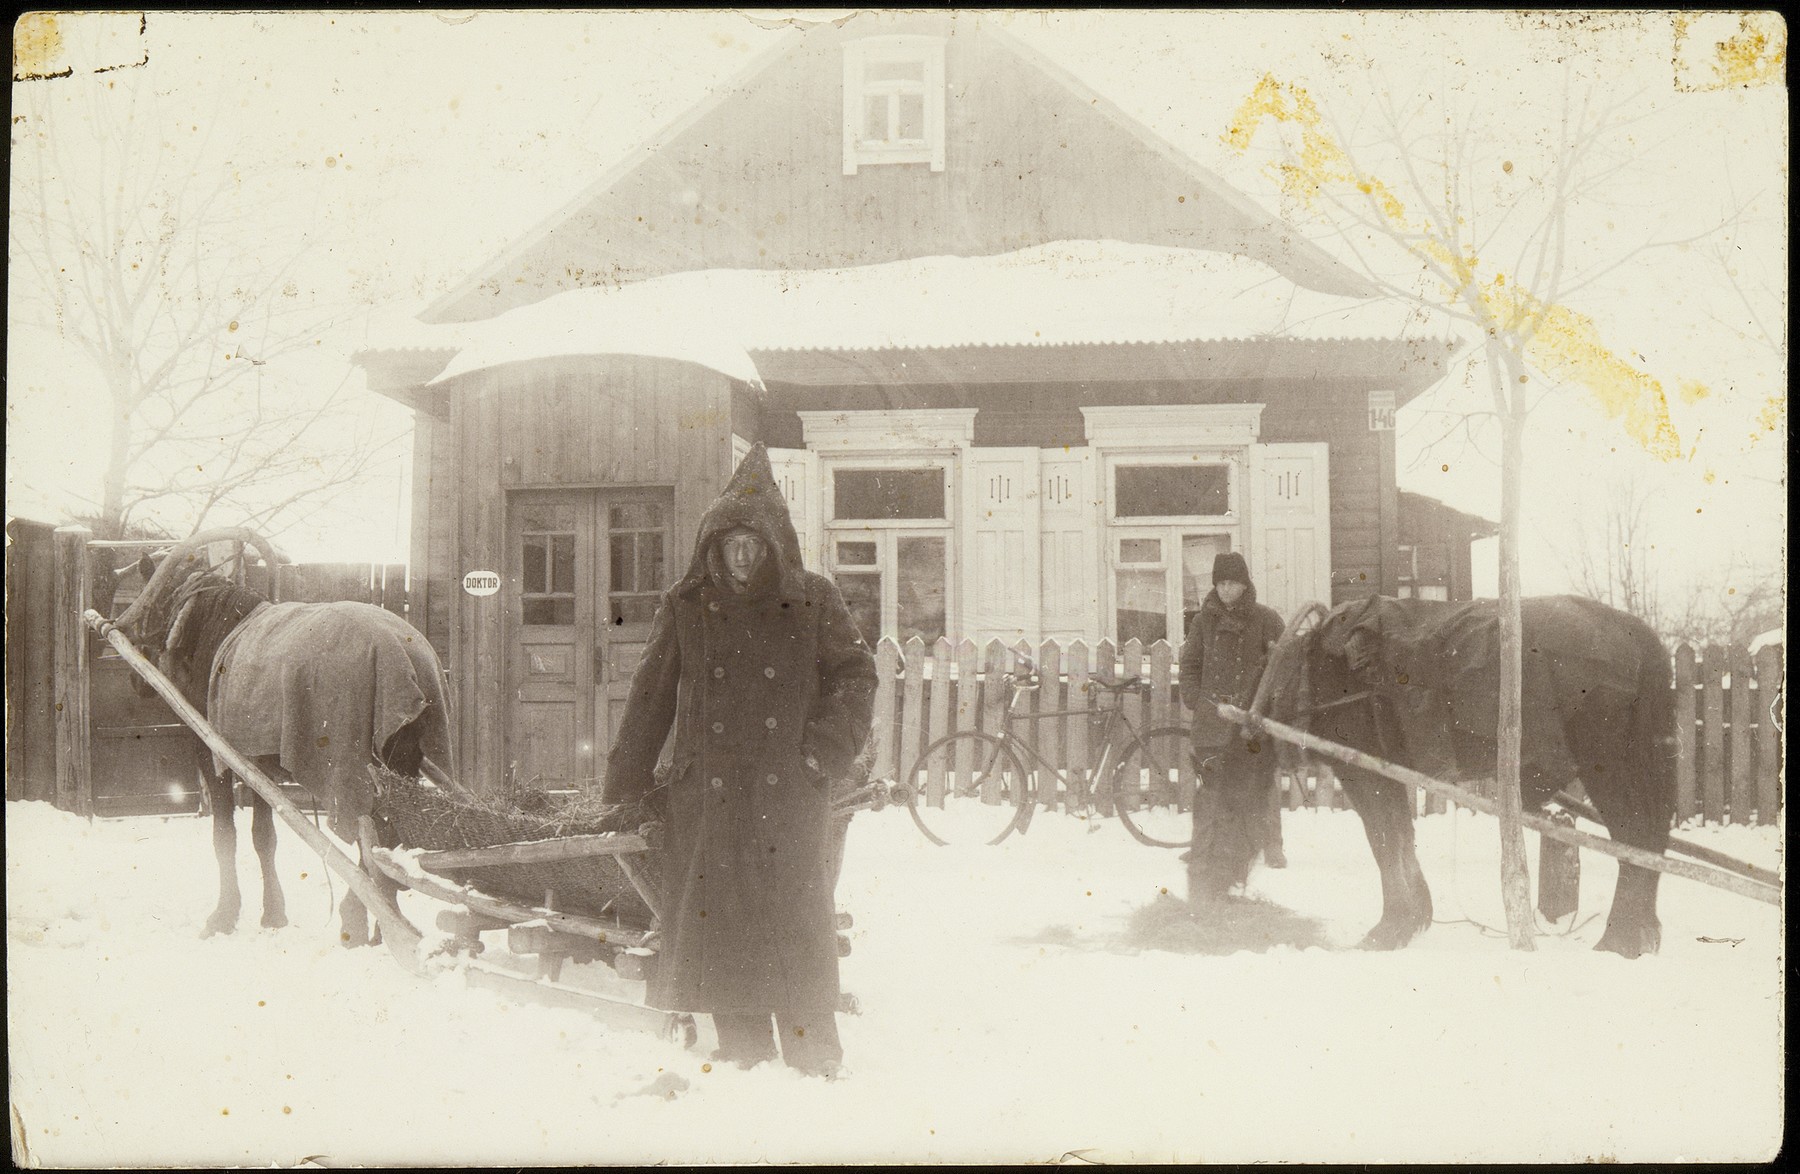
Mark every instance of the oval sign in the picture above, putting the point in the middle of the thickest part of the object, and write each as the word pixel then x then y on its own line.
pixel 482 582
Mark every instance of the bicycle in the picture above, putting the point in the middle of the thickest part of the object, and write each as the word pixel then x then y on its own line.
pixel 971 785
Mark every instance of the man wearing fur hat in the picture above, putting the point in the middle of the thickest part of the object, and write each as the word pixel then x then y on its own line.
pixel 757 665
pixel 1222 659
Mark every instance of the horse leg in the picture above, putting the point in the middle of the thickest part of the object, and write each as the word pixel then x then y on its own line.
pixel 1405 897
pixel 1632 928
pixel 224 837
pixel 262 836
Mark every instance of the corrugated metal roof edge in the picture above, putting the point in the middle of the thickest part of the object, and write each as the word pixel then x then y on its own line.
pixel 1104 342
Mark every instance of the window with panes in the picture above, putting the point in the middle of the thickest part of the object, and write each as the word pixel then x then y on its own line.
pixel 1168 519
pixel 888 546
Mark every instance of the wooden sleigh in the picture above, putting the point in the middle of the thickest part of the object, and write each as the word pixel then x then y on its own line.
pixel 573 896
pixel 569 897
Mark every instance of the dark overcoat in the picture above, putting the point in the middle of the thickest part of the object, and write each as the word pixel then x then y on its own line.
pixel 1223 659
pixel 769 692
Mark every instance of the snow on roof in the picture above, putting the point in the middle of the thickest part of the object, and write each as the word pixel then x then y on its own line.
pixel 1071 292
pixel 1772 636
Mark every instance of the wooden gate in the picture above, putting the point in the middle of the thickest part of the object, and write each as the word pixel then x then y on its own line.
pixel 79 735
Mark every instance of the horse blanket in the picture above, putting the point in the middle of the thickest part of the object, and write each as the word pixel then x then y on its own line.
pixel 1438 666
pixel 323 687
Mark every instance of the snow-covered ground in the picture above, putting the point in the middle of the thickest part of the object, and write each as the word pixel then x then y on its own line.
pixel 1026 1003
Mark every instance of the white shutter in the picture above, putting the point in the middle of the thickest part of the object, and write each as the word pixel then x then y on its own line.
pixel 999 544
pixel 1290 525
pixel 1070 559
pixel 797 473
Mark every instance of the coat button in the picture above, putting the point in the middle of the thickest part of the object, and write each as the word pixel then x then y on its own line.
pixel 772 780
pixel 718 727
pixel 714 606
pixel 719 672
pixel 717 782
pixel 769 673
pixel 770 722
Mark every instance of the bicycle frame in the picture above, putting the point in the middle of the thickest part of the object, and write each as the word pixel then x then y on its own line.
pixel 1113 718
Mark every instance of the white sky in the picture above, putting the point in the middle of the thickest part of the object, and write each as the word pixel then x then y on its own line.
pixel 406 148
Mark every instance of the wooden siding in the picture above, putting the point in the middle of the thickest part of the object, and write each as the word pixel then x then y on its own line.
pixel 756 181
pixel 572 423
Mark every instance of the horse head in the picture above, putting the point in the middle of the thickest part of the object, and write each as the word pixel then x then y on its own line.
pixel 187 606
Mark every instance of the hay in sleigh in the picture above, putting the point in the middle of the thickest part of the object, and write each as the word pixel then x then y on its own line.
pixel 425 815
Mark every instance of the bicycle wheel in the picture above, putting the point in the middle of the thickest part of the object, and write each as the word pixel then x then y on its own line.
pixel 1153 788
pixel 969 788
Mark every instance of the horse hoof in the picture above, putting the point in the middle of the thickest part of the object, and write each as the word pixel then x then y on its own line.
pixel 274 921
pixel 219 924
pixel 1629 943
pixel 1386 937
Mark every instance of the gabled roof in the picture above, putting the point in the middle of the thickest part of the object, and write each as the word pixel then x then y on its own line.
pixel 752 178
pixel 1423 517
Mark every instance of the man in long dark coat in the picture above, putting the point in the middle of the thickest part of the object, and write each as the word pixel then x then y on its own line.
pixel 1223 659
pixel 760 669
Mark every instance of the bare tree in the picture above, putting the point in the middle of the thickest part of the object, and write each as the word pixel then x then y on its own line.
pixel 1611 559
pixel 159 270
pixel 1469 218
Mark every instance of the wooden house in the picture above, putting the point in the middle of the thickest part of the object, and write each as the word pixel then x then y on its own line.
pixel 1434 552
pixel 973 446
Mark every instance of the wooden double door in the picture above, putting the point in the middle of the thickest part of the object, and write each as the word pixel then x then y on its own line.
pixel 585 571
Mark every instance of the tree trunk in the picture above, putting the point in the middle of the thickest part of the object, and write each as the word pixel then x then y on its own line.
pixel 1515 876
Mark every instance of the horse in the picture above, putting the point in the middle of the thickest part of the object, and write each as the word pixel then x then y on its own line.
pixel 1416 682
pixel 310 692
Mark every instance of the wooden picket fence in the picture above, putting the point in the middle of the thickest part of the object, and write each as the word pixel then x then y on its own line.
pixel 1728 715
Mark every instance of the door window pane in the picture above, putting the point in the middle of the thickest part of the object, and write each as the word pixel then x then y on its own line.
pixel 562 562
pixel 862 494
pixel 1140 550
pixel 547 575
pixel 919 578
pixel 862 595
pixel 1197 554
pixel 1143 605
pixel 856 554
pixel 1149 491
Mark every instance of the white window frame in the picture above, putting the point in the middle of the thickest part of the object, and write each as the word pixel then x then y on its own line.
pixel 928 53
pixel 1139 435
pixel 895 439
pixel 1170 563
pixel 886 532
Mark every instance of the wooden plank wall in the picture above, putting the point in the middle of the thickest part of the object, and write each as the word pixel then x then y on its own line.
pixel 584 423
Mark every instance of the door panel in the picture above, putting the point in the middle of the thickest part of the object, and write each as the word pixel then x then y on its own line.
pixel 550 620
pixel 586 569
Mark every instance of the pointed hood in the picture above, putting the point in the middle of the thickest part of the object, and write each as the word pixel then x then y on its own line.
pixel 753 499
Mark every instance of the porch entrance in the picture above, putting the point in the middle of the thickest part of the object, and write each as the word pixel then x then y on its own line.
pixel 585 568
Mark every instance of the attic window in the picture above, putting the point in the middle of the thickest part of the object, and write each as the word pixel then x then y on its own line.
pixel 894 101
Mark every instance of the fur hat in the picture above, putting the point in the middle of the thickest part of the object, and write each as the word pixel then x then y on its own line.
pixel 1230 568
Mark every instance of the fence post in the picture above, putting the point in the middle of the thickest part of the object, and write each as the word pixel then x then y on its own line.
pixel 912 701
pixel 1743 777
pixel 968 700
pixel 1769 704
pixel 939 710
pixel 1685 802
pixel 74 764
pixel 1076 742
pixel 1050 734
pixel 887 667
pixel 1712 754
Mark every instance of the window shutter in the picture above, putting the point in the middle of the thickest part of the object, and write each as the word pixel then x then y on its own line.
pixel 1289 528
pixel 797 473
pixel 1071 559
pixel 999 549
